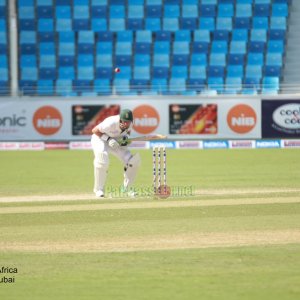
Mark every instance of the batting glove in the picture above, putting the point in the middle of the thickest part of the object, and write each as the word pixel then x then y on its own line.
pixel 125 141
pixel 113 143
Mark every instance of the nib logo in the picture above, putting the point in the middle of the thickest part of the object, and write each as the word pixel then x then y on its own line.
pixel 241 118
pixel 146 119
pixel 47 120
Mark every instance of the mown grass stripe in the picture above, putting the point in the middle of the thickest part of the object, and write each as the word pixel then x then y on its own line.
pixel 152 204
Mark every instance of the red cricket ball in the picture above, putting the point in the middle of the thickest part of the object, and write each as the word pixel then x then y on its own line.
pixel 117 70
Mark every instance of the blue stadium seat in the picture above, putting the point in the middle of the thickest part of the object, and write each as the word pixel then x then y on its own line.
pixel 181 48
pixel 85 73
pixel 125 73
pixel 207 23
pixel 188 23
pixel 161 60
pixel 198 59
pixel 197 72
pixel 47 73
pixel 143 36
pixel 275 46
pixel 182 36
pixel 219 47
pixel 200 47
pixel 233 85
pixel 123 60
pixel 259 35
pixel 172 11
pixel 242 23
pixel 159 85
pixel 160 72
pixel 255 59
pixel 260 23
pixel 63 12
pixel 141 73
pixel 116 24
pixel 140 86
pixel 104 36
pixel 103 73
pixel 153 11
pixel 98 24
pixel 217 59
pixel 153 24
pixel 270 85
pixel 201 36
pixel 207 10
pixel 142 60
pixel 273 71
pixel 85 60
pixel 104 60
pixel 235 71
pixel 26 61
pixel 66 60
pixel 180 60
pixel 274 59
pixel 177 86
pixel 224 23
pixel 135 11
pixel 170 24
pixel 236 59
pixel 196 85
pixel 188 11
pixel 243 10
pixel 66 73
pixel 102 87
pixel 253 72
pixel 116 12
pixel 161 47
pixel 221 35
pixel 142 48
pixel 45 87
pixel 278 23
pixel 47 61
pixel 64 25
pixel 261 10
pixel 257 46
pixel 135 23
pixel 179 72
pixel 122 86
pixel 280 10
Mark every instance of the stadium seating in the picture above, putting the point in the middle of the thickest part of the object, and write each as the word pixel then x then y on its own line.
pixel 178 46
pixel 4 62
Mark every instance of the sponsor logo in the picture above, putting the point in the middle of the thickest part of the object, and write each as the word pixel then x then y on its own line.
pixel 162 144
pixel 241 144
pixel 47 120
pixel 287 116
pixel 241 118
pixel 268 144
pixel 80 146
pixel 291 144
pixel 146 119
pixel 215 144
pixel 189 145
pixel 12 121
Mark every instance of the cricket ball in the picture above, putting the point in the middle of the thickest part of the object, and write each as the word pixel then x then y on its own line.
pixel 117 70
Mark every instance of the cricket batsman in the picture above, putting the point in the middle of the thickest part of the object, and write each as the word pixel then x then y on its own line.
pixel 111 136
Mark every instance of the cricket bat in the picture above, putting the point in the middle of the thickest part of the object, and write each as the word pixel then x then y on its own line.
pixel 151 137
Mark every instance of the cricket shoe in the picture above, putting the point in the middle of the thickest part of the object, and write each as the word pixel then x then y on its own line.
pixel 100 194
pixel 128 192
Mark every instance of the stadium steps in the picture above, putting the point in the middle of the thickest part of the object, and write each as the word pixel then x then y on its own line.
pixel 291 74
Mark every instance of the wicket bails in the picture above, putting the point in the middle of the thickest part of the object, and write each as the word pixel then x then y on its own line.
pixel 159 162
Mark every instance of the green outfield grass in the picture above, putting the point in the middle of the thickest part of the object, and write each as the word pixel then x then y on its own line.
pixel 236 237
